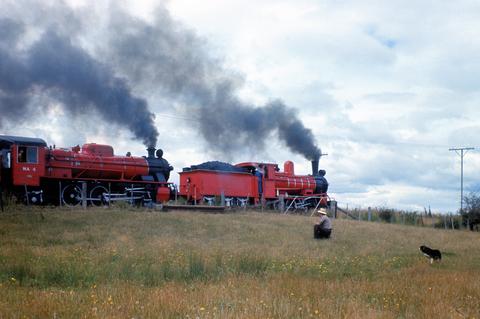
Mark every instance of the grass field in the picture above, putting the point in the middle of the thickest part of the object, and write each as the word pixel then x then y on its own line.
pixel 144 264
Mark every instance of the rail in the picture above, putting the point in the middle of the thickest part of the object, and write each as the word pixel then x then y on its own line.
pixel 347 213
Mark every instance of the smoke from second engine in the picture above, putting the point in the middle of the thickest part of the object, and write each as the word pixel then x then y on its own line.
pixel 172 58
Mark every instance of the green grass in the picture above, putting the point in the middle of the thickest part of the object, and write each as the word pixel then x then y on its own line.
pixel 82 263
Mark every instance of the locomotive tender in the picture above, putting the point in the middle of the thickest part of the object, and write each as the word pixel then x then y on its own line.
pixel 94 174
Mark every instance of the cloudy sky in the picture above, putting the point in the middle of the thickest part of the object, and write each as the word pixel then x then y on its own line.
pixel 385 88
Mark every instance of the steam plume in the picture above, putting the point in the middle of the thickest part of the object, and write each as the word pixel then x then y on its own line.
pixel 176 60
pixel 53 65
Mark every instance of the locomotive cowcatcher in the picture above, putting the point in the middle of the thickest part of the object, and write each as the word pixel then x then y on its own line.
pixel 67 176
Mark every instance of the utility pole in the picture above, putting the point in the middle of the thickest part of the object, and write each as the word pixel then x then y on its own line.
pixel 463 152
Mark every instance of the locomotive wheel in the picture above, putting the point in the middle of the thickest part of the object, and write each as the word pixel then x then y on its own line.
pixel 71 195
pixel 242 201
pixel 96 195
pixel 210 200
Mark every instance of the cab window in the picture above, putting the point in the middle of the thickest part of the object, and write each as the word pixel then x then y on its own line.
pixel 27 154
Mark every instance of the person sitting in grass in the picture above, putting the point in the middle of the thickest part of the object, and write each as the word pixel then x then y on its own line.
pixel 323 228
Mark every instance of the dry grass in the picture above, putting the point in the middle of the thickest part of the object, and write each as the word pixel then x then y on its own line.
pixel 142 264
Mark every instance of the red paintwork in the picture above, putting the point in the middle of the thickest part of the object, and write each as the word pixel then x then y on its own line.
pixel 163 194
pixel 96 149
pixel 28 174
pixel 282 183
pixel 94 161
pixel 196 184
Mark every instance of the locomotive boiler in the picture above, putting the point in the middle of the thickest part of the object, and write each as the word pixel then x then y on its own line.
pixel 31 170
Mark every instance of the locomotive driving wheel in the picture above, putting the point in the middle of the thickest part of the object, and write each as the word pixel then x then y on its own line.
pixel 71 195
pixel 97 195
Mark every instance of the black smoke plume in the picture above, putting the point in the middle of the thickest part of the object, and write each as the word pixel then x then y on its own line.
pixel 176 60
pixel 54 66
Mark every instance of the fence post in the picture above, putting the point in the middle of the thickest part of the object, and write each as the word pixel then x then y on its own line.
pixel 26 195
pixel 333 208
pixel 369 214
pixel 359 214
pixel 84 195
pixel 194 195
pixel 1 198
pixel 281 203
pixel 176 195
pixel 445 221
pixel 451 219
pixel 131 192
pixel 60 193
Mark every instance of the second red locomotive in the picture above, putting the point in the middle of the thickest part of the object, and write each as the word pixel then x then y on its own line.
pixel 253 183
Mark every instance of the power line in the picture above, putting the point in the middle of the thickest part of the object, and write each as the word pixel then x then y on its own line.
pixel 387 143
pixel 178 117
pixel 463 152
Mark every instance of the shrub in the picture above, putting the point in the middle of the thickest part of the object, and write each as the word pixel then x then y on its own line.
pixel 471 213
pixel 386 214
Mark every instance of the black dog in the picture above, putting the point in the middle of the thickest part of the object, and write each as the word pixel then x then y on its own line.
pixel 433 254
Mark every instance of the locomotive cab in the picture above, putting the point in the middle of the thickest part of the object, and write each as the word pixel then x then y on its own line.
pixel 23 160
pixel 22 164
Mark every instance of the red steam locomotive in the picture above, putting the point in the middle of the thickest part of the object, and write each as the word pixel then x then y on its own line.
pixel 31 170
pixel 253 183
pixel 93 174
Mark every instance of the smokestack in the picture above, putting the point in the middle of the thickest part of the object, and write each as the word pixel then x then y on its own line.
pixel 151 152
pixel 315 166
